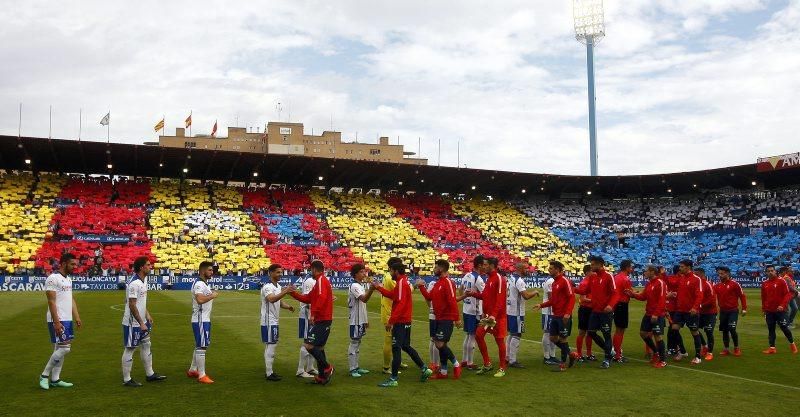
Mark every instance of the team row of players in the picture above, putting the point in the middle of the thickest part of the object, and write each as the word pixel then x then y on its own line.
pixel 492 305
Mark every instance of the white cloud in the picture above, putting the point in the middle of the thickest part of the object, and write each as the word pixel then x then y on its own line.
pixel 508 80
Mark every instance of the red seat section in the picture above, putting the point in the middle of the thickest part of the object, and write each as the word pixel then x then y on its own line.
pixel 293 232
pixel 100 220
pixel 88 190
pixel 114 258
pixel 450 233
pixel 132 192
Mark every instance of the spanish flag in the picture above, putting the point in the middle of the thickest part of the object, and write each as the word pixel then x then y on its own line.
pixel 189 121
pixel 214 130
pixel 159 125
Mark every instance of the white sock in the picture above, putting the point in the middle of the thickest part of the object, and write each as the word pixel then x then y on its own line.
pixel 60 355
pixel 546 345
pixel 434 352
pixel 469 348
pixel 301 363
pixel 200 360
pixel 513 348
pixel 269 356
pixel 352 353
pixel 127 363
pixel 193 366
pixel 147 356
pixel 49 366
pixel 553 348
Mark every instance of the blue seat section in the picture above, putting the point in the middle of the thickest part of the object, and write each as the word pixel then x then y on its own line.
pixel 288 227
pixel 745 251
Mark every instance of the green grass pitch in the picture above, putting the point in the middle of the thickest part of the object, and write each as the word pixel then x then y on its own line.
pixel 754 384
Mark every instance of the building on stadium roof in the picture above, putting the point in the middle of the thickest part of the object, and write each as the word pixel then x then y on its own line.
pixel 281 138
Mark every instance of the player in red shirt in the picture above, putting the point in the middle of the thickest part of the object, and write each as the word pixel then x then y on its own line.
pixel 729 292
pixel 584 313
pixel 400 323
pixel 775 296
pixel 623 283
pixel 562 300
pixel 708 315
pixel 673 347
pixel 604 295
pixel 653 323
pixel 320 298
pixel 787 273
pixel 688 299
pixel 494 296
pixel 445 307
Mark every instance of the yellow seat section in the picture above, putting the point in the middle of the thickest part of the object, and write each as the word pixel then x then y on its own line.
pixel 165 193
pixel 368 225
pixel 195 196
pixel 226 197
pixel 183 238
pixel 508 228
pixel 14 188
pixel 22 231
pixel 48 187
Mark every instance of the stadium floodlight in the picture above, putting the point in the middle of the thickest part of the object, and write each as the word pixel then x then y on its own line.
pixel 589 192
pixel 27 162
pixel 399 182
pixel 185 170
pixel 589 30
pixel 473 187
pixel 523 191
pixel 255 174
pixel 161 165
pixel 320 178
pixel 109 166
pixel 669 190
pixel 753 183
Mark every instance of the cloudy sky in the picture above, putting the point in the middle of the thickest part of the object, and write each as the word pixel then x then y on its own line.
pixel 681 84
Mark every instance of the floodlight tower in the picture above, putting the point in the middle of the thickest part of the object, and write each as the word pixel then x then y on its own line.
pixel 589 30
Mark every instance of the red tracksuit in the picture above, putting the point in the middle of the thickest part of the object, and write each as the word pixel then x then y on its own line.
pixel 709 303
pixel 320 298
pixel 562 297
pixel 584 300
pixel 655 294
pixel 690 293
pixel 602 290
pixel 671 281
pixel 494 297
pixel 775 293
pixel 623 283
pixel 401 301
pixel 729 293
pixel 443 298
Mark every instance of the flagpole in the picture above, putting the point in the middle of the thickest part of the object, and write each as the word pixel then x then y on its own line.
pixel 19 127
pixel 163 123
pixel 80 123
pixel 50 131
pixel 108 128
pixel 190 123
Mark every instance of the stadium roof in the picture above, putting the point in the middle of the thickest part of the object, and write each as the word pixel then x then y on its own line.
pixel 72 156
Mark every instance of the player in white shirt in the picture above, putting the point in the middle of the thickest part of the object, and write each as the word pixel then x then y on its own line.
pixel 137 324
pixel 472 309
pixel 306 366
pixel 548 347
pixel 62 311
pixel 433 351
pixel 271 305
pixel 357 298
pixel 518 292
pixel 202 302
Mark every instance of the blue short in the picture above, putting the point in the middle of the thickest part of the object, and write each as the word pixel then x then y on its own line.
pixel 470 323
pixel 686 319
pixel 65 336
pixel 269 334
pixel 302 332
pixel 202 334
pixel 357 331
pixel 431 327
pixel 516 324
pixel 132 335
